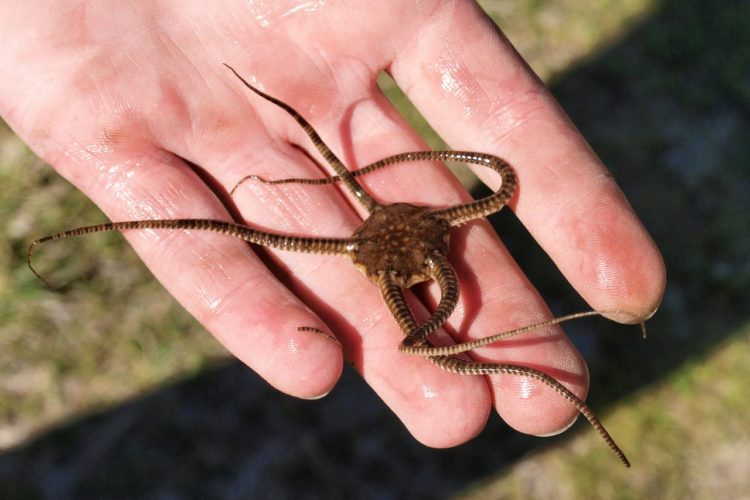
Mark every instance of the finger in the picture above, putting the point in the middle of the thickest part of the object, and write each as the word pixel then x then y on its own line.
pixel 473 87
pixel 423 397
pixel 218 280
pixel 495 295
pixel 97 125
pixel 475 90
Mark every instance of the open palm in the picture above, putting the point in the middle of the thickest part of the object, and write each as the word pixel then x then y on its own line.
pixel 131 103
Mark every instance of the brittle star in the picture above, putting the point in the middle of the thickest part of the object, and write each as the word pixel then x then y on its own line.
pixel 396 247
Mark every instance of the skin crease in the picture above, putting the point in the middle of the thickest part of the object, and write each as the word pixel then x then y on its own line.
pixel 116 96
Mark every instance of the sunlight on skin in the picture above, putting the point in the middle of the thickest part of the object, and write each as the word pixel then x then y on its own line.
pixel 172 64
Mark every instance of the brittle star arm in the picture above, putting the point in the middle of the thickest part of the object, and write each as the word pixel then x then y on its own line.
pixel 457 214
pixel 346 177
pixel 394 299
pixel 445 276
pixel 340 246
pixel 466 367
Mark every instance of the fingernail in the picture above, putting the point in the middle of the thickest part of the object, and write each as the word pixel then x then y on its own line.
pixel 313 398
pixel 560 431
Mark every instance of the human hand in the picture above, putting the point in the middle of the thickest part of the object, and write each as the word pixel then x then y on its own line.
pixel 122 99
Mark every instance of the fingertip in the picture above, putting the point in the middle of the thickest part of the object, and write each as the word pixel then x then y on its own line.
pixel 628 276
pixel 561 429
pixel 325 374
pixel 528 404
pixel 533 408
pixel 454 419
pixel 260 326
pixel 304 364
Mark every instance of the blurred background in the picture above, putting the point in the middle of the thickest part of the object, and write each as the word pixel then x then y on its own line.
pixel 108 389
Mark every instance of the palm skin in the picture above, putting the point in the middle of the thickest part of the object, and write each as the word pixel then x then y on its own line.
pixel 124 100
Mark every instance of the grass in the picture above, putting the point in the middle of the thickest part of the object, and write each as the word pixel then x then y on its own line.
pixel 109 332
pixel 688 436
